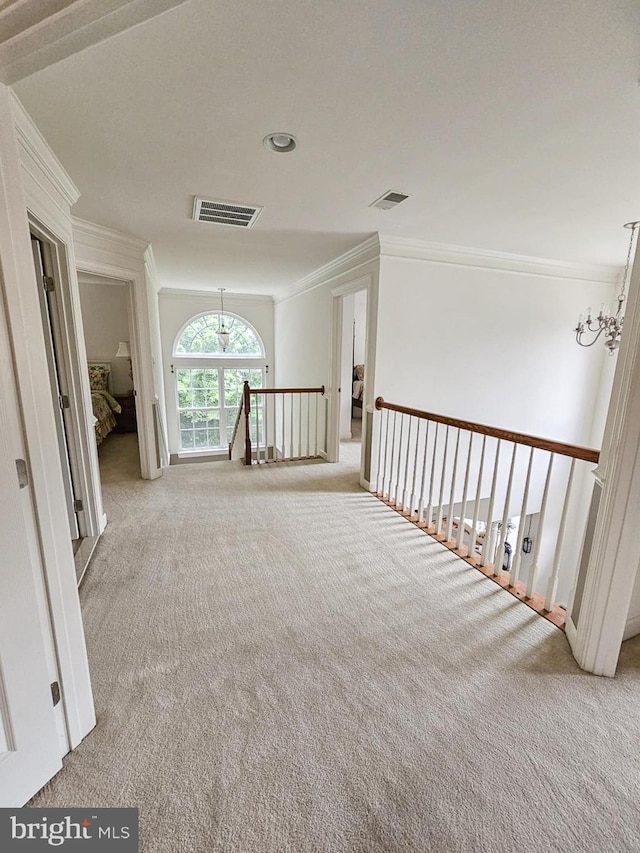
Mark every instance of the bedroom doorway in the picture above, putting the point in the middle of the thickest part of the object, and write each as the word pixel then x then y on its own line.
pixel 348 422
pixel 108 333
pixel 59 381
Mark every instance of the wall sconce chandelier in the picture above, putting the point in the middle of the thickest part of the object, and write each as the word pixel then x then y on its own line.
pixel 223 335
pixel 611 325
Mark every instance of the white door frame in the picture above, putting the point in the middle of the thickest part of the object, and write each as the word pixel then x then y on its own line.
pixel 363 282
pixel 102 251
pixel 33 183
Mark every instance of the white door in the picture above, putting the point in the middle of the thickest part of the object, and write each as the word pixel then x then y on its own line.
pixel 29 744
pixel 58 384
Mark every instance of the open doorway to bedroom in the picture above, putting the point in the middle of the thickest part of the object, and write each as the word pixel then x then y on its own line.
pixel 352 374
pixel 107 325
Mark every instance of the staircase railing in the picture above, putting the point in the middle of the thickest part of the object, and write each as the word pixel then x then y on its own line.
pixel 280 425
pixel 472 486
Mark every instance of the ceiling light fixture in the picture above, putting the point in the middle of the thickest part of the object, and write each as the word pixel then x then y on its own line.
pixel 223 335
pixel 604 322
pixel 280 142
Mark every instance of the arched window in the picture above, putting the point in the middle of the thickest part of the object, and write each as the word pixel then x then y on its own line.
pixel 209 379
pixel 200 337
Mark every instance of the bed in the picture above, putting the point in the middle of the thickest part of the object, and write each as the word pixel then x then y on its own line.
pixel 104 406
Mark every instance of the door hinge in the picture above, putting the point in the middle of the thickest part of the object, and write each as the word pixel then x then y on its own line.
pixel 55 692
pixel 23 473
pixel 64 401
pixel 77 506
pixel 48 284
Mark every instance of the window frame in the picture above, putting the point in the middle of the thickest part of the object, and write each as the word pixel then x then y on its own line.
pixel 214 361
pixel 224 355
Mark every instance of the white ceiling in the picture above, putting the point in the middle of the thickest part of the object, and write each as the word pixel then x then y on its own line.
pixel 515 127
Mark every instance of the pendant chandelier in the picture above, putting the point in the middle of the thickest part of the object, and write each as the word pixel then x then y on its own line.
pixel 223 335
pixel 611 325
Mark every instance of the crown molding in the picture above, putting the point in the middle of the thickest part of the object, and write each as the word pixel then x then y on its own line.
pixel 443 253
pixel 179 293
pixel 85 231
pixel 361 254
pixel 34 147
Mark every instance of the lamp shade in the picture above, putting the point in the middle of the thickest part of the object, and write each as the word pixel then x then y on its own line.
pixel 123 350
pixel 223 338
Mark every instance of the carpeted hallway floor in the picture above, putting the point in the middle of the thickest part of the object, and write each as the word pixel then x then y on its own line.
pixel 281 663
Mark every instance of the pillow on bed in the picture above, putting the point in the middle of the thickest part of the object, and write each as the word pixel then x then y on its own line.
pixel 99 376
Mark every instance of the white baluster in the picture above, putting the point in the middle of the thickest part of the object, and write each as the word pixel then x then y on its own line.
pixel 492 500
pixel 266 427
pixel 463 505
pixel 533 570
pixel 396 499
pixel 405 493
pixel 476 508
pixel 414 497
pixel 429 514
pixel 317 399
pixel 308 424
pixel 449 529
pixel 393 450
pixel 381 491
pixel 497 565
pixel 284 428
pixel 424 471
pixel 300 425
pixel 442 473
pixel 517 557
pixel 291 454
pixel 552 586
pixel 380 438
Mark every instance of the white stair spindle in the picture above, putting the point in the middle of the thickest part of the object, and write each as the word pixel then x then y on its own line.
pixel 284 429
pixel 396 497
pixel 424 472
pixel 442 475
pixel 476 507
pixel 552 586
pixel 381 491
pixel 291 454
pixel 414 497
pixel 266 427
pixel 429 513
pixel 449 529
pixel 492 499
pixel 497 566
pixel 393 450
pixel 533 570
pixel 405 492
pixel 316 408
pixel 517 556
pixel 465 489
pixel 308 424
pixel 378 422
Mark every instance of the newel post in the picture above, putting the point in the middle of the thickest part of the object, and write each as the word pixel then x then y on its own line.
pixel 247 435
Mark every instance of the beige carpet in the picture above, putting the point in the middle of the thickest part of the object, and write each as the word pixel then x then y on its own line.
pixel 282 663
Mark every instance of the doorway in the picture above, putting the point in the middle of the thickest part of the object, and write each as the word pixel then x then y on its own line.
pixel 348 419
pixel 108 332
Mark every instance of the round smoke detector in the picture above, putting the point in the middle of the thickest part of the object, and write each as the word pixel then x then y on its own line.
pixel 280 142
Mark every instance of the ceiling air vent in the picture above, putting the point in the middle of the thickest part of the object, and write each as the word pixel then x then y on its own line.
pixel 389 199
pixel 225 213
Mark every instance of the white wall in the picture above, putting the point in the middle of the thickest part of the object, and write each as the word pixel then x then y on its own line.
pixel 106 322
pixel 360 317
pixel 176 307
pixel 490 346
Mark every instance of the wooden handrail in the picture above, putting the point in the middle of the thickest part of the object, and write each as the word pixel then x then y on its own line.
pixel 319 390
pixel 572 450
